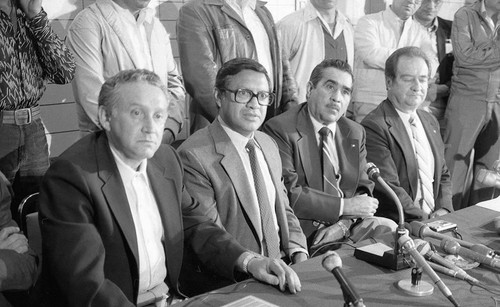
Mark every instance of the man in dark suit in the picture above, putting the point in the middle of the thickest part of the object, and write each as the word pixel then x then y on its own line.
pixel 404 142
pixel 113 209
pixel 326 206
pixel 439 32
pixel 218 169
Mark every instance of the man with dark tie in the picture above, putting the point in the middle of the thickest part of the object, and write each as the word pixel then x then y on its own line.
pixel 114 212
pixel 324 157
pixel 235 171
pixel 405 143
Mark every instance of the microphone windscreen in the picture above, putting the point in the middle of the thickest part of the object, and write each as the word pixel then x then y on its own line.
pixel 331 260
pixel 496 222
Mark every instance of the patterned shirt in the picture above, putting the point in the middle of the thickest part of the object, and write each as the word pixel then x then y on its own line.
pixel 30 57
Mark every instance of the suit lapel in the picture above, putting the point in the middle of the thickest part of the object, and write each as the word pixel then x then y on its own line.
pixel 309 152
pixel 232 164
pixel 348 155
pixel 398 132
pixel 167 200
pixel 115 22
pixel 114 192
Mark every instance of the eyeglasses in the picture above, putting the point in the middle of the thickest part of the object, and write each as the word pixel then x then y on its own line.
pixel 244 96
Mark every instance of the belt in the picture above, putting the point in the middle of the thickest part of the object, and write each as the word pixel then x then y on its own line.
pixel 20 117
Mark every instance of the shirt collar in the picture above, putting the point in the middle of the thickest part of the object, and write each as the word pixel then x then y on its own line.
pixel 405 117
pixel 317 125
pixel 126 172
pixel 237 139
pixel 242 3
pixel 434 26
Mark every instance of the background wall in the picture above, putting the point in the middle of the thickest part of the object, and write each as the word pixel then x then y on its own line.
pixel 58 109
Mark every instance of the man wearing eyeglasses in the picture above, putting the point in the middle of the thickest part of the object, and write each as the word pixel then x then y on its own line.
pixel 235 172
pixel 324 158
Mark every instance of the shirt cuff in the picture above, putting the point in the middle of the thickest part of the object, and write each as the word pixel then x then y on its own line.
pixel 341 211
pixel 295 250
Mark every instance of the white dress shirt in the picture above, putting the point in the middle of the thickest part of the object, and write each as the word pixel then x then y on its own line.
pixel 147 224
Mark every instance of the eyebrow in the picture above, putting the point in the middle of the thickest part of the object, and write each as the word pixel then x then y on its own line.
pixel 336 83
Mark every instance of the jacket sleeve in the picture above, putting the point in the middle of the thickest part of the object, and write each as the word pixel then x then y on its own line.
pixel 469 51
pixel 57 62
pixel 73 251
pixel 198 59
pixel 307 203
pixel 84 40
pixel 17 271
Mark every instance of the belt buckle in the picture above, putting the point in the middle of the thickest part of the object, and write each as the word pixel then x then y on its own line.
pixel 22 116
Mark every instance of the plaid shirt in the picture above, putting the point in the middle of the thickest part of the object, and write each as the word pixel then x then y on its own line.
pixel 29 59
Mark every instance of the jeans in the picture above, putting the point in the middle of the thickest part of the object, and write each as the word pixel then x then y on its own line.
pixel 24 158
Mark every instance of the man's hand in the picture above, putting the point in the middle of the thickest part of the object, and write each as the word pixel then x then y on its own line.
pixel 274 272
pixel 31 7
pixel 438 212
pixel 10 238
pixel 360 206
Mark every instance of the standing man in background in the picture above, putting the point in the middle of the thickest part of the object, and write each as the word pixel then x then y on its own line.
pixel 375 38
pixel 212 32
pixel 439 32
pixel 31 55
pixel 317 32
pixel 473 131
pixel 113 35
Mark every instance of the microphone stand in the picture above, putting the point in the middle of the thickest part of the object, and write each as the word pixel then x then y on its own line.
pixel 392 259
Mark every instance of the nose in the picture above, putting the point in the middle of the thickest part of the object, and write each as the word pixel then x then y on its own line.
pixel 148 124
pixel 418 85
pixel 253 103
pixel 336 95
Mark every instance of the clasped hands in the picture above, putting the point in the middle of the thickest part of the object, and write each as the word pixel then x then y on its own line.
pixel 359 206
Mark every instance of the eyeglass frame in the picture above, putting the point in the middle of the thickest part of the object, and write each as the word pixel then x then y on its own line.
pixel 271 97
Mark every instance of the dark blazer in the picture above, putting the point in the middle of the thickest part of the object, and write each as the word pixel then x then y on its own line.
pixel 300 154
pixel 89 242
pixel 389 147
pixel 445 68
pixel 216 177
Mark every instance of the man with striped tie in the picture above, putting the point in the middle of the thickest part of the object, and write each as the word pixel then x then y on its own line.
pixel 324 157
pixel 405 143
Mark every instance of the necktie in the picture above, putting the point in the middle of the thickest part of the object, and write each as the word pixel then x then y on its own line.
pixel 424 173
pixel 268 228
pixel 329 163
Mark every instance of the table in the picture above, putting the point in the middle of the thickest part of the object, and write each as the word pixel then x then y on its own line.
pixel 376 285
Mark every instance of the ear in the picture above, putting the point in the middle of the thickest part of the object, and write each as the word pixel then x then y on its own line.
pixel 309 88
pixel 104 118
pixel 388 83
pixel 218 97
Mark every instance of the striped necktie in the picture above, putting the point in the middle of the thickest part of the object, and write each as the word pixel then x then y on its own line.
pixel 269 231
pixel 424 173
pixel 329 163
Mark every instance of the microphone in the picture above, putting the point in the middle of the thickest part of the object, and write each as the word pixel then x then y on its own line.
pixel 332 263
pixel 452 247
pixel 374 174
pixel 421 230
pixel 408 245
pixel 445 266
pixel 496 223
pixel 488 178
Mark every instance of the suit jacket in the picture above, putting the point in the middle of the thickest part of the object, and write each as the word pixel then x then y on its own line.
pixel 89 242
pixel 215 175
pixel 302 170
pixel 389 147
pixel 445 68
